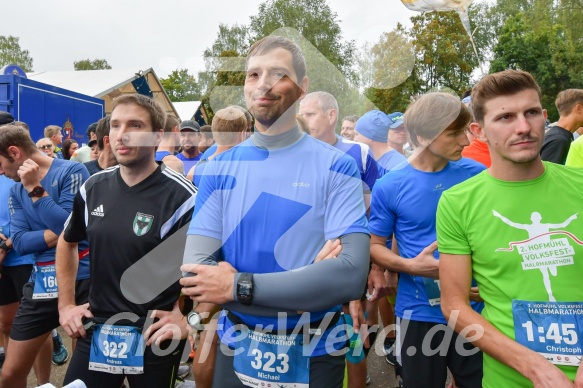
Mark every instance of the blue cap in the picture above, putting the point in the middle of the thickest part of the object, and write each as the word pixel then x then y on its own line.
pixel 467 100
pixel 374 125
pixel 396 119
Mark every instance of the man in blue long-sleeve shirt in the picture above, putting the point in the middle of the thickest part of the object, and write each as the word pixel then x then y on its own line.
pixel 39 206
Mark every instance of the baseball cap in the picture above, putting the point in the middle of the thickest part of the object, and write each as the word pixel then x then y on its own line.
pixel 374 125
pixel 6 118
pixel 396 119
pixel 190 124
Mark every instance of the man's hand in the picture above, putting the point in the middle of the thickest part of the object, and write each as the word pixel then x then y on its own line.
pixel 425 264
pixel 330 250
pixel 547 375
pixel 475 295
pixel 70 317
pixel 579 376
pixel 377 284
pixel 358 320
pixel 212 283
pixel 29 174
pixel 171 325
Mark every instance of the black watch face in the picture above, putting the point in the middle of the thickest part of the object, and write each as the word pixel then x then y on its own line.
pixel 244 289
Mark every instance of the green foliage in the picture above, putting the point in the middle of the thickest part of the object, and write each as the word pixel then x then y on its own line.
pixel 12 54
pixel 311 24
pixel 88 64
pixel 181 86
pixel 314 20
pixel 543 51
pixel 441 54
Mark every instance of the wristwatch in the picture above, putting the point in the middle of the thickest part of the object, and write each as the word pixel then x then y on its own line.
pixel 194 320
pixel 38 191
pixel 245 288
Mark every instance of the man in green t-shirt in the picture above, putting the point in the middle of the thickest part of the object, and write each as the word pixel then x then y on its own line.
pixel 517 228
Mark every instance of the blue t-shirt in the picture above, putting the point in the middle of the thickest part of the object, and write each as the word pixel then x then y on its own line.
pixel 161 155
pixel 275 209
pixel 389 160
pixel 364 161
pixel 404 202
pixel 188 162
pixel 12 258
pixel 210 152
pixel 29 220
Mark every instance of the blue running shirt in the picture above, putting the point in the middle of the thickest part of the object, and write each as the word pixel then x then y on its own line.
pixel 29 220
pixel 364 161
pixel 404 202
pixel 274 209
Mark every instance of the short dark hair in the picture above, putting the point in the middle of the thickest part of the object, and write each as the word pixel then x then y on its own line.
pixel 22 124
pixel 504 83
pixel 351 118
pixel 91 129
pixel 14 135
pixel 101 131
pixel 207 132
pixel 157 114
pixel 171 123
pixel 273 42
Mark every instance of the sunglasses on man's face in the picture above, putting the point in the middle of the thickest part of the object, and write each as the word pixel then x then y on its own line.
pixel 45 147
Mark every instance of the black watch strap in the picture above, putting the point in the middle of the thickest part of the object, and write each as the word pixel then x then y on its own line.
pixel 245 288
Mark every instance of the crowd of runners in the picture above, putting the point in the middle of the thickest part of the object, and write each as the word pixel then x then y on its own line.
pixel 273 252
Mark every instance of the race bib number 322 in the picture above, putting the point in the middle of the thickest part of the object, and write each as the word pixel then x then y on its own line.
pixel 117 349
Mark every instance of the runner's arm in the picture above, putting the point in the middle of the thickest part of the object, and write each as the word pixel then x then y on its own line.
pixel 423 264
pixel 456 278
pixel 67 263
pixel 293 290
pixel 25 240
pixel 55 213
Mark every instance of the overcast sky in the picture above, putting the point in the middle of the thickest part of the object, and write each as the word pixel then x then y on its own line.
pixel 165 35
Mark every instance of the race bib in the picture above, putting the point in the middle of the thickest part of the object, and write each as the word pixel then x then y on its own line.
pixel 117 350
pixel 433 291
pixel 272 360
pixel 45 282
pixel 553 329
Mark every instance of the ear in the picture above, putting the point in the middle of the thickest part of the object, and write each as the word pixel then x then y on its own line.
pixel 159 136
pixel 303 85
pixel 333 116
pixel 14 152
pixel 478 131
pixel 423 142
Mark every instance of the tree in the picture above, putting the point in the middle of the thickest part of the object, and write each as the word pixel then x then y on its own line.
pixel 445 57
pixel 88 64
pixel 543 52
pixel 12 54
pixel 394 77
pixel 181 86
pixel 316 29
pixel 314 20
pixel 222 81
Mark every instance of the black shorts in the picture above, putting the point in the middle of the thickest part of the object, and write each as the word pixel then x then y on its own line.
pixel 325 371
pixel 159 371
pixel 426 367
pixel 12 281
pixel 36 317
